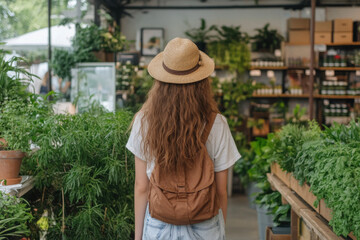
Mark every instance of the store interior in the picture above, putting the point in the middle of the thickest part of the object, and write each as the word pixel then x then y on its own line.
pixel 74 74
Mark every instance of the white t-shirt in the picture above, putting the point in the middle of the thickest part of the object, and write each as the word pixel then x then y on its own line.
pixel 220 145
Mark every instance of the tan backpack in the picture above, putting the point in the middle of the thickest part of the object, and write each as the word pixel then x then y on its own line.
pixel 189 195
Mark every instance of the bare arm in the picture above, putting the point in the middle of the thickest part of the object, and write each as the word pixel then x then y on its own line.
pixel 221 188
pixel 140 192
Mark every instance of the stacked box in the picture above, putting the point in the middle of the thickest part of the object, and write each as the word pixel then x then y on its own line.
pixel 299 30
pixel 323 32
pixel 343 31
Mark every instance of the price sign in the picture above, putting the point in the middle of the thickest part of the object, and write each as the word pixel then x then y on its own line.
pixel 329 73
pixel 307 72
pixel 255 73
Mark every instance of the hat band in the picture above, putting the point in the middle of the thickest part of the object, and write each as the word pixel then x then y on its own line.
pixel 185 72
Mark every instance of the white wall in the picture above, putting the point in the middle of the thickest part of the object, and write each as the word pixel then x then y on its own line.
pixel 176 22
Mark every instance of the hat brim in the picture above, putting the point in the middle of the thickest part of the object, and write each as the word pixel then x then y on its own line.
pixel 157 71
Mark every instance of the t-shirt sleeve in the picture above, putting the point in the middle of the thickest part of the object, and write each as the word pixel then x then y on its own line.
pixel 134 142
pixel 224 151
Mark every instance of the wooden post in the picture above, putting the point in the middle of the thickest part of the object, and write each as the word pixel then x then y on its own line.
pixel 294 225
pixel 49 44
pixel 312 59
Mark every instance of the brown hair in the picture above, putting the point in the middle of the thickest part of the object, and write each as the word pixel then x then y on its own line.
pixel 174 116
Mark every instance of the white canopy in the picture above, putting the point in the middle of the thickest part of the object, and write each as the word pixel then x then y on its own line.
pixel 60 37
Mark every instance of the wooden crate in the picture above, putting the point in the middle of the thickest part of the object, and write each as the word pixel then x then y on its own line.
pixel 282 175
pixel 271 236
pixel 304 192
pixel 325 212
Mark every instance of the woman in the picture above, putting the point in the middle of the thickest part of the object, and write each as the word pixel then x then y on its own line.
pixel 182 149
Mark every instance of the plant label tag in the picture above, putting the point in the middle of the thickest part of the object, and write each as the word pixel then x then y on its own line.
pixel 255 73
pixel 307 72
pixel 320 47
pixel 277 53
pixel 329 73
pixel 270 74
pixel 357 73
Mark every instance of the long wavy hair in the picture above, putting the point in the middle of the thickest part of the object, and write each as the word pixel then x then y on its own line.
pixel 173 118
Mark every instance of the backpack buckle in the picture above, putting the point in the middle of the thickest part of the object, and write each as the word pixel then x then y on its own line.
pixel 181 194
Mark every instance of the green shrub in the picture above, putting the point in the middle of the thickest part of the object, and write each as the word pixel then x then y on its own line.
pixel 82 158
pixel 14 217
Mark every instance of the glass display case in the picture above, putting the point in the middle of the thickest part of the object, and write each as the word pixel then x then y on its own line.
pixel 93 83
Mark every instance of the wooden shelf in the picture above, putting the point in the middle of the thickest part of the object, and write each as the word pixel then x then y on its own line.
pixel 280 96
pixel 312 219
pixel 327 44
pixel 336 96
pixel 269 68
pixel 339 68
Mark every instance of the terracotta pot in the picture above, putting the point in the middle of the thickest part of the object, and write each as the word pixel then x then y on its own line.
pixel 10 162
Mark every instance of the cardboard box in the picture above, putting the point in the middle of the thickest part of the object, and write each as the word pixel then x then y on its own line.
pixel 322 37
pixel 343 37
pixel 323 26
pixel 343 25
pixel 299 36
pixel 298 23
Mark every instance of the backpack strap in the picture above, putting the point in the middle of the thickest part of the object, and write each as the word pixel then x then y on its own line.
pixel 208 127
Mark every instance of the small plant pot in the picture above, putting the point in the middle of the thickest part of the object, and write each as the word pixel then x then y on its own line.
pixel 264 220
pixel 10 162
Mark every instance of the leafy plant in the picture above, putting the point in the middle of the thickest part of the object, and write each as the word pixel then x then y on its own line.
pixel 329 162
pixel 14 217
pixel 266 39
pixel 234 92
pixel 114 41
pixel 235 55
pixel 201 34
pixel 84 175
pixel 263 149
pixel 20 121
pixel 14 80
pixel 229 34
pixel 62 61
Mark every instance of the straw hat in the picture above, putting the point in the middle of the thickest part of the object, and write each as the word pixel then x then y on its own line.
pixel 181 62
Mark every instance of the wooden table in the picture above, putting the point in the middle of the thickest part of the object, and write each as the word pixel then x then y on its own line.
pixel 19 190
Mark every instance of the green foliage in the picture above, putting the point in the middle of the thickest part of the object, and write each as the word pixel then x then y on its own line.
pixel 231 34
pixel 87 38
pixel 235 55
pixel 329 162
pixel 14 217
pixel 83 159
pixel 20 121
pixel 266 39
pixel 62 62
pixel 201 34
pixel 140 87
pixel 263 150
pixel 234 92
pixel 14 80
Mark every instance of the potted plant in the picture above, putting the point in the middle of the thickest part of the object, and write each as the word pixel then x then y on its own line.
pixel 13 87
pixel 266 40
pixel 200 36
pixel 230 49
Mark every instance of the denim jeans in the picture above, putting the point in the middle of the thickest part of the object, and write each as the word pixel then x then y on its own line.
pixel 212 229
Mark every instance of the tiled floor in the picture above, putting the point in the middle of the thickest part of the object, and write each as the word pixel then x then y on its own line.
pixel 241 223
